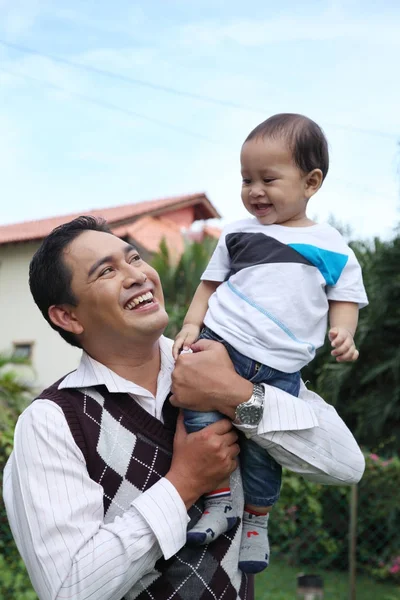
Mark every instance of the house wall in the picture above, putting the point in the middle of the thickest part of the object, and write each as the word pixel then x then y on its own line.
pixel 22 321
pixel 183 216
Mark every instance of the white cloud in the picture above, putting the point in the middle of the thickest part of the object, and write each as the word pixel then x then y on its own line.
pixel 262 32
pixel 124 59
pixel 119 18
pixel 19 16
pixel 10 147
pixel 39 72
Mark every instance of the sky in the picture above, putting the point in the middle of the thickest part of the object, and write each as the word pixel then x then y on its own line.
pixel 106 103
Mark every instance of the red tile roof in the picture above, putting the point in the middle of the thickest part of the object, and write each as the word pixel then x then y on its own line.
pixel 149 231
pixel 117 217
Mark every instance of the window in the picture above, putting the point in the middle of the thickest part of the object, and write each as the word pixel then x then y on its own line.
pixel 23 350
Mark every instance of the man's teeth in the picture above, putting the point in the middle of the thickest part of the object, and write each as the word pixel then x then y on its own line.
pixel 135 301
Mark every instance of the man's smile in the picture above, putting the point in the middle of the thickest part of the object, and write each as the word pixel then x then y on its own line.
pixel 140 299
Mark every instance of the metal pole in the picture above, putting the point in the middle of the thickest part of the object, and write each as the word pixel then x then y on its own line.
pixel 353 542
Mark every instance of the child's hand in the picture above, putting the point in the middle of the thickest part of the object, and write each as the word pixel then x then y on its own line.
pixel 185 338
pixel 343 343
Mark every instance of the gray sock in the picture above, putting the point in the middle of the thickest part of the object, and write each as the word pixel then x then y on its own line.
pixel 254 546
pixel 216 519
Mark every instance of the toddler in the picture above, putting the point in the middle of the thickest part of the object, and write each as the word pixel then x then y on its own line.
pixel 266 294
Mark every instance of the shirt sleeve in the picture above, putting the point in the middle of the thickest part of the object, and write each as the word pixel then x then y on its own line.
pixel 307 436
pixel 56 515
pixel 350 286
pixel 219 265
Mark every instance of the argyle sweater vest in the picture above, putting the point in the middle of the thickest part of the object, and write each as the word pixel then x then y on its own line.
pixel 127 450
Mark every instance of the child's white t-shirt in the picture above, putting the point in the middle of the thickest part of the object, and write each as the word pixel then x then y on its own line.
pixel 273 303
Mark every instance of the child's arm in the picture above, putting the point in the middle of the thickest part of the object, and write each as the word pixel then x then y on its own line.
pixel 343 319
pixel 194 317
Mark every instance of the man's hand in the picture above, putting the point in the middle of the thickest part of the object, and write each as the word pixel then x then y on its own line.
pixel 201 460
pixel 185 338
pixel 343 343
pixel 206 380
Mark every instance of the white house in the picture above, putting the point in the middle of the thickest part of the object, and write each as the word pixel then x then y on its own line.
pixel 24 332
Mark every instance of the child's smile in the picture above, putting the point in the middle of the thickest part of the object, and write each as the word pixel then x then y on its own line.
pixel 274 189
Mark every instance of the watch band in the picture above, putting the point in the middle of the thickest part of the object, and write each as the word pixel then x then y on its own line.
pixel 249 414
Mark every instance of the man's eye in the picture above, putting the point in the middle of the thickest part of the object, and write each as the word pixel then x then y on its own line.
pixel 106 271
pixel 134 258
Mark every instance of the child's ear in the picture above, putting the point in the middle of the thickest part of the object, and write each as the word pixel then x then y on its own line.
pixel 313 182
pixel 64 316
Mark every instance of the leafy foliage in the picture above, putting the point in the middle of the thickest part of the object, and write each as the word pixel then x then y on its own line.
pixel 367 392
pixel 181 280
pixel 14 581
pixel 309 525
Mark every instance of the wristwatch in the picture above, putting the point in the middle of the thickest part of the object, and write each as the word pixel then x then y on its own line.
pixel 249 414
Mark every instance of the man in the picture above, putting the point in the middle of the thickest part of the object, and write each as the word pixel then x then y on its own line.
pixel 103 479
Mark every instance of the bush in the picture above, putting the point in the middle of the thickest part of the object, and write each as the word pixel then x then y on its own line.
pixel 379 518
pixel 14 580
pixel 310 523
pixel 180 280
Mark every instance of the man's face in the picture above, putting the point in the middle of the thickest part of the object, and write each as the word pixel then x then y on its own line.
pixel 119 295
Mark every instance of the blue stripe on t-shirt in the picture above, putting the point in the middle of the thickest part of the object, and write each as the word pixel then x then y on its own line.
pixel 329 264
pixel 262 310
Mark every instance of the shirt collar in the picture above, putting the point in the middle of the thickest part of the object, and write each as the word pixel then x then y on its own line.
pixel 91 373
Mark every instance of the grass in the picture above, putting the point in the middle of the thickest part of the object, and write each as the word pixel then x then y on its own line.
pixel 279 583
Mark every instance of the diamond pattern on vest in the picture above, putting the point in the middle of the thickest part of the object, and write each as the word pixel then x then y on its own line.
pixel 127 451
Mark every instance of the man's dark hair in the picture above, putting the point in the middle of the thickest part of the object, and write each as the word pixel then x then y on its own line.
pixel 49 277
pixel 305 138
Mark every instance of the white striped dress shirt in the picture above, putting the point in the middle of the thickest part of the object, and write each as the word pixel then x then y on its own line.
pixel 56 511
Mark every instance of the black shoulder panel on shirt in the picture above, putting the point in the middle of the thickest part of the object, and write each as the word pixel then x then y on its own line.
pixel 250 249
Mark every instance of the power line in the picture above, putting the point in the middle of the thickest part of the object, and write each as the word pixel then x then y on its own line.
pixel 365 189
pixel 132 114
pixel 176 92
pixel 113 107
pixel 130 80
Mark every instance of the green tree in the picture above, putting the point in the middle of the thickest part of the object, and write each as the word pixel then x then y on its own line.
pixel 14 395
pixel 367 392
pixel 181 279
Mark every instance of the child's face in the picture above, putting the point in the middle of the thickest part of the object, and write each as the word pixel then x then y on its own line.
pixel 274 189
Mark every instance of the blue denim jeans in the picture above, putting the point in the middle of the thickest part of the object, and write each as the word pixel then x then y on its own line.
pixel 261 474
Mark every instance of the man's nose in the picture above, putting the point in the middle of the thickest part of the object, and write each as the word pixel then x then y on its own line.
pixel 133 276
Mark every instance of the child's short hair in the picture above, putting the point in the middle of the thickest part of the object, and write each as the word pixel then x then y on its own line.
pixel 306 139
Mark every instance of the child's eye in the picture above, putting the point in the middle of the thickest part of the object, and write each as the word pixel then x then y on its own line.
pixel 268 180
pixel 246 181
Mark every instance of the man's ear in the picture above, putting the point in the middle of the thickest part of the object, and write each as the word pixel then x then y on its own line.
pixel 313 182
pixel 64 316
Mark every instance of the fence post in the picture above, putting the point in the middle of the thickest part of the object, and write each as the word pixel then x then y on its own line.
pixel 353 542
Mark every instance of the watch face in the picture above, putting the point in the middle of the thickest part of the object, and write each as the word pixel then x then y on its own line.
pixel 250 415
